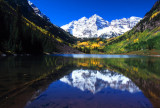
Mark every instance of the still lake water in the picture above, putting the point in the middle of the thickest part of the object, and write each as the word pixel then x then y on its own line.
pixel 80 81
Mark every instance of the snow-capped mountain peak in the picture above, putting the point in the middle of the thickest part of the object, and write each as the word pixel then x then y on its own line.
pixel 96 26
pixel 96 17
pixel 98 21
pixel 83 19
pixel 37 11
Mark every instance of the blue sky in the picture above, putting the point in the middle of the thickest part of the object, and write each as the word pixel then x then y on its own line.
pixel 62 12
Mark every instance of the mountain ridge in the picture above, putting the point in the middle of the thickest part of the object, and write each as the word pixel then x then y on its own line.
pixel 96 26
pixel 38 12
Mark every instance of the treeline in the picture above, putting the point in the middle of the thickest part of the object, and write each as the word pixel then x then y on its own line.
pixel 19 35
pixel 84 50
pixel 88 50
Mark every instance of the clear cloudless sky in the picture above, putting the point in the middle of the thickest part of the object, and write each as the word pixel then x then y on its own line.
pixel 62 12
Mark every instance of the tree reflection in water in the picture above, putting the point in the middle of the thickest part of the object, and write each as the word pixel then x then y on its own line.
pixel 24 79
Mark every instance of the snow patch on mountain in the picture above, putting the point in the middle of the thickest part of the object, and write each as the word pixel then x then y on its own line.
pixel 37 11
pixel 94 81
pixel 96 26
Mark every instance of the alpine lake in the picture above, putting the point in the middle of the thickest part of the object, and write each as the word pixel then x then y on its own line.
pixel 80 81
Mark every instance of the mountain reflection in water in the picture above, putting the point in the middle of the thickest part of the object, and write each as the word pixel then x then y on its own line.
pixel 94 81
pixel 79 81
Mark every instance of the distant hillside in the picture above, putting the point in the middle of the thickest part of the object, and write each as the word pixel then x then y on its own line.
pixel 143 38
pixel 22 31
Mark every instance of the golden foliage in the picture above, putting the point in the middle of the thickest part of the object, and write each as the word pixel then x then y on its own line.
pixel 100 43
pixel 35 27
pixel 95 45
pixel 154 15
pixel 83 64
pixel 135 69
pixel 59 40
pixel 92 62
pixel 136 40
pixel 82 43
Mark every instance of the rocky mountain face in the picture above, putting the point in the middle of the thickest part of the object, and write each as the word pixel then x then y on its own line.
pixel 151 19
pixel 38 12
pixel 94 81
pixel 96 26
